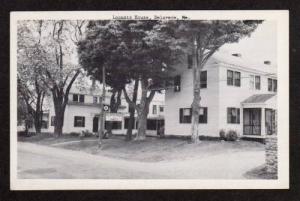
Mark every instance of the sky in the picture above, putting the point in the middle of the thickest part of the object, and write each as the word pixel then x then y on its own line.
pixel 260 46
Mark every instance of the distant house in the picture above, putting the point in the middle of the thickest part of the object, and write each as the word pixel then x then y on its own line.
pixel 235 94
pixel 83 110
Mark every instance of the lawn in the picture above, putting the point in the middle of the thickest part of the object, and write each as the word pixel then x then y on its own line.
pixel 151 150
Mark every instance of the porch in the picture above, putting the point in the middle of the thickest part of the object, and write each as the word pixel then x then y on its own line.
pixel 259 116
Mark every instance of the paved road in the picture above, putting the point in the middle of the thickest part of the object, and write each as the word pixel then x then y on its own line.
pixel 37 161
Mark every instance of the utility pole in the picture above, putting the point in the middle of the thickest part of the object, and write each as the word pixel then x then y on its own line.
pixel 102 112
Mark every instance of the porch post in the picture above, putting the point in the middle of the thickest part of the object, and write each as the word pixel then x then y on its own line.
pixel 263 122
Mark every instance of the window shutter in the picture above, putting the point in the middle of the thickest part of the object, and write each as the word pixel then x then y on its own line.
pixel 228 115
pixel 238 115
pixel 180 115
pixel 205 115
pixel 83 121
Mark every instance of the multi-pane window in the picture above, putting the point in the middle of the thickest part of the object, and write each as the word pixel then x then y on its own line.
pixel 151 124
pixel 52 120
pixel 251 81
pixel 161 108
pixel 190 61
pixel 203 115
pixel 95 99
pixel 75 97
pixel 81 98
pixel 185 115
pixel 233 78
pixel 154 109
pixel 237 79
pixel 79 121
pixel 203 79
pixel 233 115
pixel 177 83
pixel 272 85
pixel 229 77
pixel 126 123
pixel 78 98
pixel 257 82
pixel 116 125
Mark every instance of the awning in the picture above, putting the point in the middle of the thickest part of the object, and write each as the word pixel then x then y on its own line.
pixel 258 98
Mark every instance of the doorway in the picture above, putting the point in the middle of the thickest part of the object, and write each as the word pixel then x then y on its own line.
pixel 95 124
pixel 252 121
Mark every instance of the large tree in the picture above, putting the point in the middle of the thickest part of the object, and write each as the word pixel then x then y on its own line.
pixel 203 38
pixel 31 57
pixel 130 51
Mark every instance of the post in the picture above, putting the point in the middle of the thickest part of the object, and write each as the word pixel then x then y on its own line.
pixel 102 112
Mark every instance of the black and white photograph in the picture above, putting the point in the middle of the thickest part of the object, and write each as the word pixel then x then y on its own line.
pixel 149 100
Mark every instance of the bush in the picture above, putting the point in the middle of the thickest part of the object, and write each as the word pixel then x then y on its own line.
pixel 231 135
pixel 74 134
pixel 222 134
pixel 86 133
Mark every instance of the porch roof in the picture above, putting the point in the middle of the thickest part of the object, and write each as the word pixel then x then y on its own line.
pixel 258 98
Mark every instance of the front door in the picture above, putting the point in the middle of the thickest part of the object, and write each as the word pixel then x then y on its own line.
pixel 252 121
pixel 95 124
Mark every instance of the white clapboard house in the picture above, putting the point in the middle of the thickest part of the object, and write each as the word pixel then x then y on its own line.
pixel 83 110
pixel 236 94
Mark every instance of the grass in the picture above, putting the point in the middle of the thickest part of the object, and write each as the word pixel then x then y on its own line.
pixel 260 173
pixel 151 150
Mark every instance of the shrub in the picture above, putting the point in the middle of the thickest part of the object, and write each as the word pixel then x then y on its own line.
pixel 86 133
pixel 222 134
pixel 231 135
pixel 74 134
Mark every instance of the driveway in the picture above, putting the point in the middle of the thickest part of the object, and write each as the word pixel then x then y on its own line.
pixel 39 161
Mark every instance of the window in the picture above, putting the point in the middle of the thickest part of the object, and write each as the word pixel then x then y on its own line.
pixel 154 109
pixel 233 78
pixel 237 79
pixel 52 120
pixel 257 82
pixel 81 98
pixel 190 61
pixel 95 99
pixel 78 98
pixel 79 121
pixel 229 77
pixel 203 79
pixel 75 97
pixel 185 115
pixel 151 124
pixel 275 85
pixel 251 83
pixel 203 115
pixel 116 125
pixel 233 115
pixel 126 123
pixel 45 120
pixel 161 108
pixel 272 85
pixel 177 83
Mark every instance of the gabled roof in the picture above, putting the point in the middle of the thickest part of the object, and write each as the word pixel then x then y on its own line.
pixel 245 63
pixel 258 98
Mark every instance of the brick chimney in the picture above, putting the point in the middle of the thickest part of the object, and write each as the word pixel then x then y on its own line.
pixel 267 62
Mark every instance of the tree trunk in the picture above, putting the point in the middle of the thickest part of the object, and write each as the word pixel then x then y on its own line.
pixel 196 97
pixel 59 122
pixel 132 111
pixel 142 125
pixel 115 102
